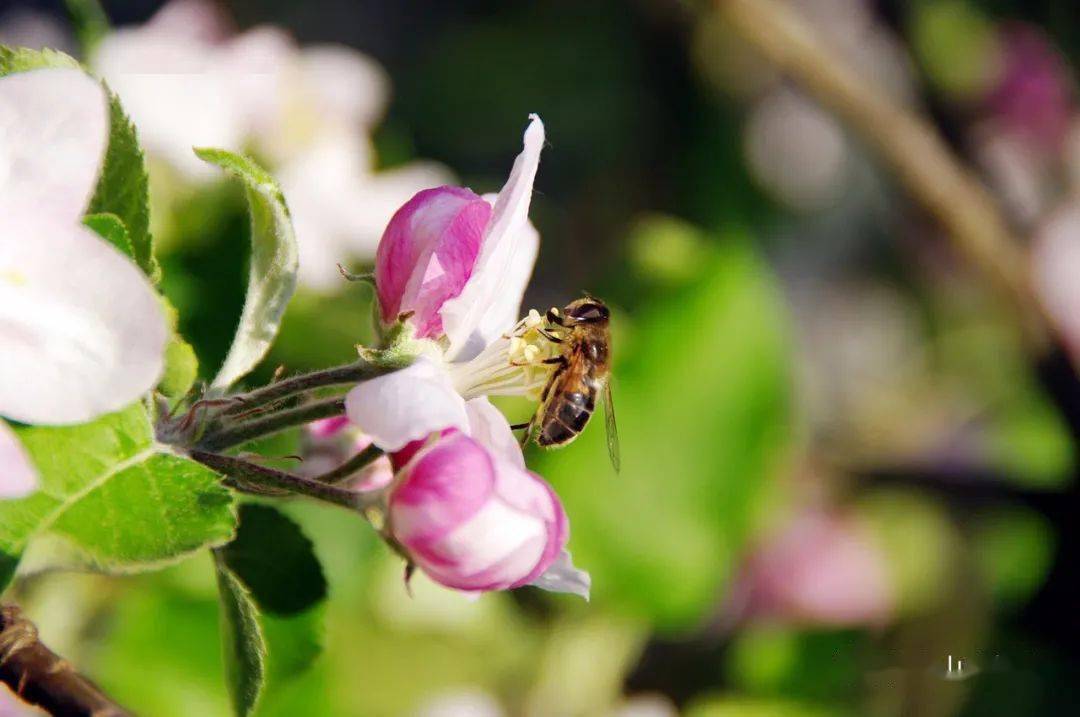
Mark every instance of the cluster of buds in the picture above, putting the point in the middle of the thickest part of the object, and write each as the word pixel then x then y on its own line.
pixel 450 274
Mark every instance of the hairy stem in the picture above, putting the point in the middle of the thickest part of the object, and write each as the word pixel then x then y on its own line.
pixel 358 462
pixel 261 476
pixel 338 375
pixel 913 148
pixel 44 679
pixel 269 424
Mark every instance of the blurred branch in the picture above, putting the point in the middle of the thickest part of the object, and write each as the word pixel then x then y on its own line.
pixel 44 679
pixel 229 436
pixel 909 144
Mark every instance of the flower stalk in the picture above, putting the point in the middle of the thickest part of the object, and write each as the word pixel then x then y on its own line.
pixel 246 472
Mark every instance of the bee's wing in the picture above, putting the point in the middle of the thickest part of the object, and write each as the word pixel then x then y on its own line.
pixel 609 425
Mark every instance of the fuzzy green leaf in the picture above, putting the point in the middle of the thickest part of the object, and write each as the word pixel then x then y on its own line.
pixel 120 500
pixel 243 646
pixel 274 263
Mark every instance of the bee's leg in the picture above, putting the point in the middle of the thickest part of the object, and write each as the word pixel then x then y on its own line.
pixel 551 337
pixel 553 317
pixel 527 435
pixel 560 360
pixel 519 426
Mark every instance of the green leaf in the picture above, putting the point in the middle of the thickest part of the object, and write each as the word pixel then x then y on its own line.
pixel 243 646
pixel 274 565
pixel 122 501
pixel 276 561
pixel 701 389
pixel 21 59
pixel 123 185
pixel 123 188
pixel 111 228
pixel 274 262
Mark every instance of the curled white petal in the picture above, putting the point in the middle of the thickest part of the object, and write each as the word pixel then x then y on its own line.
pixel 470 319
pixel 17 475
pixel 53 133
pixel 490 428
pixel 81 330
pixel 406 405
pixel 563 577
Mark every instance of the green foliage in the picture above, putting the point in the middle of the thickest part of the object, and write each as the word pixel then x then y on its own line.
pixel 21 59
pixel 274 263
pixel 701 393
pixel 272 589
pixel 121 500
pixel 1013 550
pixel 243 646
pixel 286 579
pixel 123 188
pixel 111 228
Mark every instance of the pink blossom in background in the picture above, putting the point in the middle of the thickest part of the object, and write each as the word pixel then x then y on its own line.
pixel 821 569
pixel 329 442
pixel 1034 94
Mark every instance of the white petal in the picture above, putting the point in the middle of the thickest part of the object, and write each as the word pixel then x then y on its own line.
pixel 471 319
pixel 563 577
pixel 17 474
pixel 178 91
pixel 53 133
pixel 406 405
pixel 81 330
pixel 490 428
pixel 347 86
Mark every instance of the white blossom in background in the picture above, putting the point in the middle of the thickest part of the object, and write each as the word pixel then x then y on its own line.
pixel 187 80
pixel 82 332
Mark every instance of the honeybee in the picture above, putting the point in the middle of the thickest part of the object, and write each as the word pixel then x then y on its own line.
pixel 581 375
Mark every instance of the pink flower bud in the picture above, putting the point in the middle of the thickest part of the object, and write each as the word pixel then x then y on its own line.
pixel 427 253
pixel 473 520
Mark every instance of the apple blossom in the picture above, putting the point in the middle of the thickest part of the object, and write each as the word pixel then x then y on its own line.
pixel 460 263
pixel 466 511
pixel 81 329
pixel 82 332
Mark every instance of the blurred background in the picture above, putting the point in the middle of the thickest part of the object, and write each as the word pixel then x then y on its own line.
pixel 847 486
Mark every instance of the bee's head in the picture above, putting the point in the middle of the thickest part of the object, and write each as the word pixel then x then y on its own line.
pixel 587 311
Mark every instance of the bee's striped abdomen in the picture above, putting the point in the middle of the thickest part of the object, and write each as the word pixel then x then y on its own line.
pixel 566 416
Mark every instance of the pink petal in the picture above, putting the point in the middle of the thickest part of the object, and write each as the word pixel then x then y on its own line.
pixel 427 254
pixel 477 315
pixel 17 475
pixel 327 427
pixel 473 521
pixel 406 405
